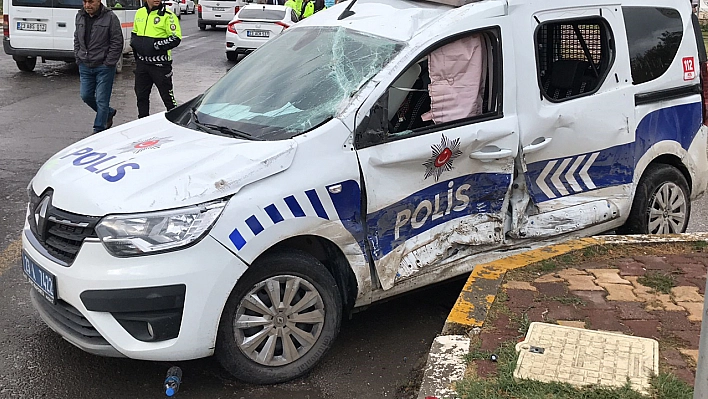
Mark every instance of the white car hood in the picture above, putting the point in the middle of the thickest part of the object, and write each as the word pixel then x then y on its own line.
pixel 153 164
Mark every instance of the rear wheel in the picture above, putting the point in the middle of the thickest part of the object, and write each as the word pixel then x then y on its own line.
pixel 202 27
pixel 279 320
pixel 26 64
pixel 213 26
pixel 661 204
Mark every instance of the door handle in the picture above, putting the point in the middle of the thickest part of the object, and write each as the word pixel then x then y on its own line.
pixel 537 144
pixel 61 24
pixel 490 155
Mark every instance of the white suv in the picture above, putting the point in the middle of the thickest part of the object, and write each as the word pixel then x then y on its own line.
pixel 374 148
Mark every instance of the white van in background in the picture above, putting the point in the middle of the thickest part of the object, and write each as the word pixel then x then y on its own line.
pixel 45 29
pixel 217 12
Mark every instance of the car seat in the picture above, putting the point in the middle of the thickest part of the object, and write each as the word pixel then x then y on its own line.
pixel 567 79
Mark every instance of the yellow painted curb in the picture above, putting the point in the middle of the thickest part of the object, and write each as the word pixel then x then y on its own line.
pixel 480 290
pixel 466 313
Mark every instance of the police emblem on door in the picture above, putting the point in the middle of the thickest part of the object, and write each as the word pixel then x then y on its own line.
pixel 443 156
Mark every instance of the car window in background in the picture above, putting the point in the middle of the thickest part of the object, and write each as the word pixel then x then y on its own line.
pixel 295 82
pixel 654 35
pixel 261 14
pixel 32 3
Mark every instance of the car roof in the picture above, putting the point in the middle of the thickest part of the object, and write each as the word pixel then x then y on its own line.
pixel 394 19
pixel 403 19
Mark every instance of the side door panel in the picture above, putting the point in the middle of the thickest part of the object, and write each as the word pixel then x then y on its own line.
pixel 577 151
pixel 442 193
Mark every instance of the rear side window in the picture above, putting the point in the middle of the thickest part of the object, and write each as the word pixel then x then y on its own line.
pixel 262 14
pixel 77 4
pixel 32 3
pixel 573 57
pixel 654 36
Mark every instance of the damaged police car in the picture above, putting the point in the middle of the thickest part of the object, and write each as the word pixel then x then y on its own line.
pixel 393 144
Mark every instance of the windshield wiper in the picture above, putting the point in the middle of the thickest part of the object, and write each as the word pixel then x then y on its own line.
pixel 211 128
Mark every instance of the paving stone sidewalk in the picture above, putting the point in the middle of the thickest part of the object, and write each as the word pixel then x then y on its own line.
pixel 608 295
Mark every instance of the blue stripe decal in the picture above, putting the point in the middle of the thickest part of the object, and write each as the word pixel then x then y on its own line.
pixel 481 193
pixel 274 213
pixel 613 166
pixel 317 204
pixel 254 224
pixel 347 203
pixel 237 239
pixel 294 206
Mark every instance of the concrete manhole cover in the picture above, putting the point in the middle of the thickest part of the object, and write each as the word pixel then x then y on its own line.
pixel 584 357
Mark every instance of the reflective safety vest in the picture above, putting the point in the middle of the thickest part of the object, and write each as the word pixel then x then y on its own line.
pixel 158 23
pixel 296 5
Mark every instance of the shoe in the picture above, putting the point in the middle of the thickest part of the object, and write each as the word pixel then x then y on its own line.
pixel 109 122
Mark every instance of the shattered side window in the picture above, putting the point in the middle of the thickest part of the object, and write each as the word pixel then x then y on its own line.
pixel 295 82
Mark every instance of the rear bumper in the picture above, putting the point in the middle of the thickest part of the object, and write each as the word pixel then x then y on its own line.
pixel 57 55
pixel 203 21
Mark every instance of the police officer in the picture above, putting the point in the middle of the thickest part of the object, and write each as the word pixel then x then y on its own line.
pixel 156 32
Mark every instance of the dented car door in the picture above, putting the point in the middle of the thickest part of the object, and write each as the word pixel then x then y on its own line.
pixel 437 173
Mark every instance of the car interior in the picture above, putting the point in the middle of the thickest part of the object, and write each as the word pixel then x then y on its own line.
pixel 409 97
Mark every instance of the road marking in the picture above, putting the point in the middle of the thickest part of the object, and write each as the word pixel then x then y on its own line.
pixel 10 255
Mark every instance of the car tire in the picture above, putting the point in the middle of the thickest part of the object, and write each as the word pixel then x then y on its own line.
pixel 202 27
pixel 283 348
pixel 662 203
pixel 232 56
pixel 213 26
pixel 26 64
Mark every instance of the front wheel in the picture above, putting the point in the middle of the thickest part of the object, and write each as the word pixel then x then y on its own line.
pixel 280 319
pixel 662 203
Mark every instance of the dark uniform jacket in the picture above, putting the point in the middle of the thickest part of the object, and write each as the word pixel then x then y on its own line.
pixel 105 46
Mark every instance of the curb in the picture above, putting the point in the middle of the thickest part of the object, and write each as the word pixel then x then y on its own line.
pixel 479 292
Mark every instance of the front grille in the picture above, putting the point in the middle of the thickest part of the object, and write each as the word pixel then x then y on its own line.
pixel 61 233
pixel 72 321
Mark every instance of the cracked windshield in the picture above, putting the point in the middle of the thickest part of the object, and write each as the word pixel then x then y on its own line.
pixel 310 72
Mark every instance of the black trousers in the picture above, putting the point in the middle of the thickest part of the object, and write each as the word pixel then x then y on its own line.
pixel 145 76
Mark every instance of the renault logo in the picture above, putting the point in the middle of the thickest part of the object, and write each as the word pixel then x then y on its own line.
pixel 40 215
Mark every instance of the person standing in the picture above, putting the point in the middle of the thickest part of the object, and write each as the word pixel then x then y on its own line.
pixel 156 32
pixel 98 46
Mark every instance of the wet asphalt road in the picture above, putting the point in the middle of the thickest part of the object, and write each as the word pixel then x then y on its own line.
pixel 40 113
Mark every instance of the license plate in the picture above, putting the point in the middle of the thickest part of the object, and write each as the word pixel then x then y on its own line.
pixel 42 280
pixel 257 33
pixel 35 26
pixel 218 9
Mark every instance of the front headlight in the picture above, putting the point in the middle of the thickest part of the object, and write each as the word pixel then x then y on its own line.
pixel 146 233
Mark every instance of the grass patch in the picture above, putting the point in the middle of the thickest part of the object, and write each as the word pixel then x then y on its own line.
pixel 660 282
pixel 700 245
pixel 504 386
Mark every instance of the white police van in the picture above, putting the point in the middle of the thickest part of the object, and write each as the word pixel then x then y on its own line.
pixel 376 147
pixel 45 29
